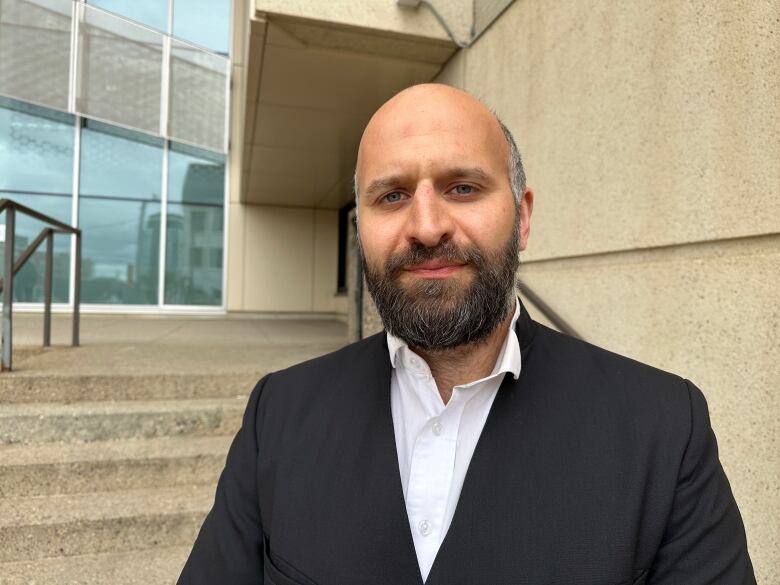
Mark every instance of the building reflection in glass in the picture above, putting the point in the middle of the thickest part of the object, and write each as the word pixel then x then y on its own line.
pixel 119 213
pixel 194 240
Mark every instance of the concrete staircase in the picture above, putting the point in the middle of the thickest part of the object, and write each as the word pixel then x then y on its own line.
pixel 106 478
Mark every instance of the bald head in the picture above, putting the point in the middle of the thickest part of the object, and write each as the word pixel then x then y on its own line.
pixel 430 109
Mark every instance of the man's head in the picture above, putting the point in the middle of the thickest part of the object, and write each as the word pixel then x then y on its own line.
pixel 443 212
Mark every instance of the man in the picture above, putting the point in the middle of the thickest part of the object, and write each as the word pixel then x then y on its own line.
pixel 468 444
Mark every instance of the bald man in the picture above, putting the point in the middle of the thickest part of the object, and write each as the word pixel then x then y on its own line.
pixel 466 444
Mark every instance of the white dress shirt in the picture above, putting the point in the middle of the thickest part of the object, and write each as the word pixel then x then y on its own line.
pixel 435 441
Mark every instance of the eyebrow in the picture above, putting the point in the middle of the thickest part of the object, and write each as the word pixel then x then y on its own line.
pixel 391 181
pixel 383 183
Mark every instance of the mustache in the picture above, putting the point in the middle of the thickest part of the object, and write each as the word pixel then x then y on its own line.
pixel 418 253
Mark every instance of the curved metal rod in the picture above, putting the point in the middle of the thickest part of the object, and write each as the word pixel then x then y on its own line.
pixel 29 251
pixel 546 310
pixel 39 216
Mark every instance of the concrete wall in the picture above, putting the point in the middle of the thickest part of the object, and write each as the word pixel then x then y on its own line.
pixel 282 259
pixel 382 15
pixel 651 135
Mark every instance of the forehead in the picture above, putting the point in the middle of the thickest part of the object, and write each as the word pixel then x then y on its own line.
pixel 427 133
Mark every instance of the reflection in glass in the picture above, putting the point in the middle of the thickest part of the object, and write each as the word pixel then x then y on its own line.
pixel 198 93
pixel 120 71
pixel 119 213
pixel 194 240
pixel 35 50
pixel 203 22
pixel 36 170
pixel 153 13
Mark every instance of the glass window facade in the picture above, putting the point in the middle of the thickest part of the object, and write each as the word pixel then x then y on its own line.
pixel 35 50
pixel 120 71
pixel 113 118
pixel 123 63
pixel 152 13
pixel 194 241
pixel 188 19
pixel 119 213
pixel 198 94
pixel 36 170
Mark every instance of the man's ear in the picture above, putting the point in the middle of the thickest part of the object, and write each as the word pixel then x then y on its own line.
pixel 526 208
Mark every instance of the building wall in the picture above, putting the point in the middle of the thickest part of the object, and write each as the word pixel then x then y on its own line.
pixel 282 259
pixel 384 16
pixel 650 135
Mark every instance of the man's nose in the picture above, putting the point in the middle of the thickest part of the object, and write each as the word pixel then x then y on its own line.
pixel 430 222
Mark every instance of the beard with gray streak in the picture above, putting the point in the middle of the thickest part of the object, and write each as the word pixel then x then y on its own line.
pixel 441 314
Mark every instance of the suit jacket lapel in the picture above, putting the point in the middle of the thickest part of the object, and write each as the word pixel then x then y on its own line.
pixel 341 495
pixel 451 563
pixel 403 555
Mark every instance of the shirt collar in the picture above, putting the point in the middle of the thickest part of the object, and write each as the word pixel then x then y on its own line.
pixel 509 359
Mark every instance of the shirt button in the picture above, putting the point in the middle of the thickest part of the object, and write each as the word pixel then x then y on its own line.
pixel 437 428
pixel 425 527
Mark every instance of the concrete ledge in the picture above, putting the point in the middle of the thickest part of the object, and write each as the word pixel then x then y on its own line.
pixel 47 469
pixel 103 421
pixel 159 566
pixel 57 387
pixel 40 527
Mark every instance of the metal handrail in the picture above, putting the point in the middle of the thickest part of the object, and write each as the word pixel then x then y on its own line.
pixel 11 267
pixel 560 323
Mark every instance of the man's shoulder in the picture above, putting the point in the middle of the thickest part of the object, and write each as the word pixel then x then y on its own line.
pixel 597 370
pixel 589 387
pixel 362 363
pixel 358 354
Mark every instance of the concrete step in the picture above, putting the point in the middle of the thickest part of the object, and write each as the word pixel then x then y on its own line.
pixel 103 421
pixel 159 566
pixel 56 526
pixel 69 468
pixel 63 387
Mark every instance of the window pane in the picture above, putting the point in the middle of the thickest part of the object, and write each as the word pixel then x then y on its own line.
pixel 198 86
pixel 153 13
pixel 120 71
pixel 119 213
pixel 204 22
pixel 121 163
pixel 194 240
pixel 36 170
pixel 35 50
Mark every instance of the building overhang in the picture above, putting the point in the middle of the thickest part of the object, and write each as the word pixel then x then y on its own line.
pixel 312 82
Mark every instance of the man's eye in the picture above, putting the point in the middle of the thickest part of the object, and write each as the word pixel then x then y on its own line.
pixel 393 197
pixel 463 190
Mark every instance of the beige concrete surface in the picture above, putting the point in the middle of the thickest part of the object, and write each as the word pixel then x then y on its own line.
pixel 651 135
pixel 150 345
pixel 74 524
pixel 157 566
pixel 664 114
pixel 71 468
pixel 288 259
pixel 325 260
pixel 382 15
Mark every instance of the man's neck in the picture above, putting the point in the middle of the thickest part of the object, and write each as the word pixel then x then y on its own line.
pixel 466 363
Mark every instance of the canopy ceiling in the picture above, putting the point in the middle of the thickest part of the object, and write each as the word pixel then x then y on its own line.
pixel 311 88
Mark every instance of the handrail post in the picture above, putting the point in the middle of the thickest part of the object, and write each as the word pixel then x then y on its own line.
pixel 47 286
pixel 8 287
pixel 77 291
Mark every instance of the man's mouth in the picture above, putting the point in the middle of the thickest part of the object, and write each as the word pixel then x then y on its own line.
pixel 434 269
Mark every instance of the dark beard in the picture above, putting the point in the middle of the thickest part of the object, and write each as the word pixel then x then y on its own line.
pixel 442 314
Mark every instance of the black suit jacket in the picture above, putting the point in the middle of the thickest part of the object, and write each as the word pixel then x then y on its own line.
pixel 592 469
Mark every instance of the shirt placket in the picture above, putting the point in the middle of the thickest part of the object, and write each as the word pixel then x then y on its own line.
pixel 431 471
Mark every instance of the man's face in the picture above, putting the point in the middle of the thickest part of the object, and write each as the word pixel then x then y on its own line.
pixel 438 224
